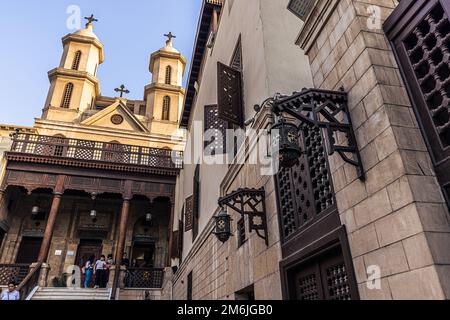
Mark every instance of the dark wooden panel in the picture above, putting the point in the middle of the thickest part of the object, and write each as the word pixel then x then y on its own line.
pixel 229 95
pixel 419 32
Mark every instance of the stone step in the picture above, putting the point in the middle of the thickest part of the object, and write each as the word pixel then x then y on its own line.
pixel 71 294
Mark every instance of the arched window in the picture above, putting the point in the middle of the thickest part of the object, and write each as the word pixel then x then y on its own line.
pixel 166 108
pixel 168 75
pixel 76 60
pixel 67 95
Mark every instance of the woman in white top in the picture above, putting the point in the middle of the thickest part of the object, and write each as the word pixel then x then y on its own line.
pixel 99 269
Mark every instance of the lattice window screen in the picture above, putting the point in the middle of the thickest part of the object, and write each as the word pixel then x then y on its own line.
pixel 423 52
pixel 188 213
pixel 217 128
pixel 305 191
pixel 301 8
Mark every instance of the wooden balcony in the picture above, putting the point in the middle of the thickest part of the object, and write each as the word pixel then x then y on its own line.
pixel 94 151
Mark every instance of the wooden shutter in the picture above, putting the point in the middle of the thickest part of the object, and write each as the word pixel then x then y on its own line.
pixel 419 32
pixel 229 94
pixel 217 143
pixel 175 241
pixel 188 213
pixel 196 202
pixel 324 278
pixel 180 239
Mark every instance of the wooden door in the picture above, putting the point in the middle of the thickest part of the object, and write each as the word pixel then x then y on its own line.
pixel 28 250
pixel 86 249
pixel 323 278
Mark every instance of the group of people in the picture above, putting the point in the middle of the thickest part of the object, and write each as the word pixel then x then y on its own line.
pixel 97 270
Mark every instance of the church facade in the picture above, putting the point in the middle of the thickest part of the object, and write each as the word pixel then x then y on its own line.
pixel 94 175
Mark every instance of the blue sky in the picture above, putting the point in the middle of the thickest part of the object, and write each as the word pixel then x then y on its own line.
pixel 130 31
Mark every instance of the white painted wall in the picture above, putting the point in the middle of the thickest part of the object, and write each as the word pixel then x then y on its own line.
pixel 271 63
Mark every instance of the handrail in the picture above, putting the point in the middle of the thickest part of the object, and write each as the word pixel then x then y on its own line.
pixel 30 281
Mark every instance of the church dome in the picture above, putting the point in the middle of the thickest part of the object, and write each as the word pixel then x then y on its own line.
pixel 88 32
pixel 169 47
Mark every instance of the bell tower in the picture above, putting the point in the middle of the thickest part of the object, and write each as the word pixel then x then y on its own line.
pixel 165 95
pixel 74 85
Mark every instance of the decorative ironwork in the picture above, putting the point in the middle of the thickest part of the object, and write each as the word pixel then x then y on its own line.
pixel 39 145
pixel 13 272
pixel 144 278
pixel 249 202
pixel 229 94
pixel 422 50
pixel 329 110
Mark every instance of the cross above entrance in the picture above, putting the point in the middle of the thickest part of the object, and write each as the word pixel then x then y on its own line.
pixel 122 90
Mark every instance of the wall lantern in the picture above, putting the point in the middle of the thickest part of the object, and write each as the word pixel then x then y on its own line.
pixel 245 201
pixel 223 226
pixel 35 211
pixel 285 144
pixel 148 217
pixel 93 213
pixel 327 110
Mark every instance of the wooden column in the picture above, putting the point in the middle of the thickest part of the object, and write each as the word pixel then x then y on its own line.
pixel 122 230
pixel 45 247
pixel 2 204
pixel 215 21
pixel 48 233
pixel 171 222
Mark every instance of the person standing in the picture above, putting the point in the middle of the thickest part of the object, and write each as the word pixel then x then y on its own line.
pixel 11 293
pixel 89 271
pixel 99 269
pixel 109 263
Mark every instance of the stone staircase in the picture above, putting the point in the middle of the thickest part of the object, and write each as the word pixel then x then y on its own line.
pixel 70 294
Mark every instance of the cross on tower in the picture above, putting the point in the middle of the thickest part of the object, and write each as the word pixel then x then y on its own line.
pixel 91 19
pixel 170 36
pixel 122 90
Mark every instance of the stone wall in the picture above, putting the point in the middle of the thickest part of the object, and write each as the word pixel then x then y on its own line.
pixel 397 219
pixel 219 270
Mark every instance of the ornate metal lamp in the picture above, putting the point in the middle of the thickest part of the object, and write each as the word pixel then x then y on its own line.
pixel 245 201
pixel 285 143
pixel 93 212
pixel 148 217
pixel 35 211
pixel 223 226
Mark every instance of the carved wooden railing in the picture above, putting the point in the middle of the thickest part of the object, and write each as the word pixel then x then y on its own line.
pixel 144 278
pixel 30 282
pixel 60 147
pixel 13 272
